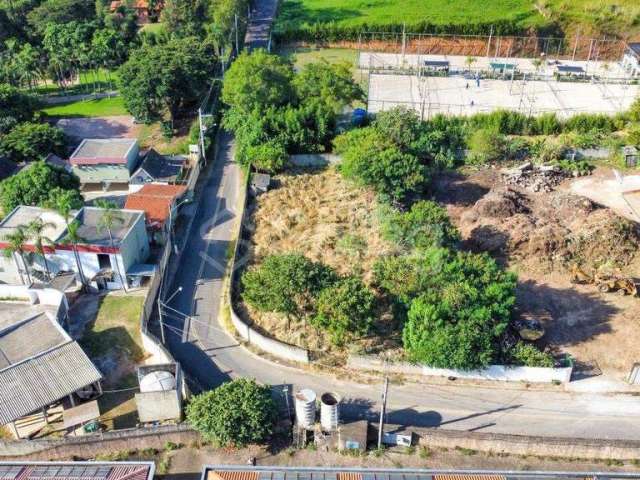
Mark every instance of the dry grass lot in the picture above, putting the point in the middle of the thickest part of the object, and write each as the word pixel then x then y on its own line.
pixel 537 235
pixel 327 219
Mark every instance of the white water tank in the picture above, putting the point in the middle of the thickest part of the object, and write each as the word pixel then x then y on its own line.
pixel 305 401
pixel 158 381
pixel 329 411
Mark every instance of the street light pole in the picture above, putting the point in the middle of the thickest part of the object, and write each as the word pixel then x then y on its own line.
pixel 383 411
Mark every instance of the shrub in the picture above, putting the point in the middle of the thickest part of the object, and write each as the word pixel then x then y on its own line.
pixel 425 225
pixel 345 310
pixel 529 355
pixel 586 122
pixel 546 124
pixel 506 122
pixel 485 145
pixel 633 136
pixel 285 284
pixel 235 414
pixel 372 160
pixel 267 157
pixel 400 125
pixel 634 111
pixel 458 321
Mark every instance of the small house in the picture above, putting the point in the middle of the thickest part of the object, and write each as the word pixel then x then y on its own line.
pixel 157 168
pixel 160 204
pixel 105 164
pixel 570 70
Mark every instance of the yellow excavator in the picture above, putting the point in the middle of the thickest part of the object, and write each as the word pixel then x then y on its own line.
pixel 604 282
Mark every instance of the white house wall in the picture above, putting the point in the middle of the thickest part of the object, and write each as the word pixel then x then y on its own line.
pixel 8 271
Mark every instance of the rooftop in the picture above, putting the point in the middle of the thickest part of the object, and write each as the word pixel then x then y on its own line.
pixel 92 232
pixel 76 470
pixel 161 167
pixel 23 215
pixel 39 364
pixel 101 151
pixel 232 472
pixel 155 200
pixel 635 47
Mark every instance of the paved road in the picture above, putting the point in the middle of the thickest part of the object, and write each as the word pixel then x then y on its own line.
pixel 211 356
pixel 262 15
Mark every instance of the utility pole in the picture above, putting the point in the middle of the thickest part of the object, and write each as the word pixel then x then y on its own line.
pixel 383 411
pixel 164 340
pixel 237 44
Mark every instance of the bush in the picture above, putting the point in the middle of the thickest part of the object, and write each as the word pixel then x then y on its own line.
pixel 372 160
pixel 506 122
pixel 633 135
pixel 458 321
pixel 235 414
pixel 268 157
pixel 425 225
pixel 586 122
pixel 285 284
pixel 485 145
pixel 529 355
pixel 546 124
pixel 345 310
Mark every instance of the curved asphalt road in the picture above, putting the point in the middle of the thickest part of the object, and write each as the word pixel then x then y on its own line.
pixel 210 356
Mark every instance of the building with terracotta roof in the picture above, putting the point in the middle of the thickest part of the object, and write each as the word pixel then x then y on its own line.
pixel 159 203
pixel 144 12
pixel 244 472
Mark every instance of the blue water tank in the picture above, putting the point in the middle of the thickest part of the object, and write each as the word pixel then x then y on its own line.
pixel 358 117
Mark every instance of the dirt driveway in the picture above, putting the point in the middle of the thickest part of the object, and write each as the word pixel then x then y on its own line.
pixel 100 127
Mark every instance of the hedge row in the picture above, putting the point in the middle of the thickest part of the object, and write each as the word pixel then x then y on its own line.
pixel 290 31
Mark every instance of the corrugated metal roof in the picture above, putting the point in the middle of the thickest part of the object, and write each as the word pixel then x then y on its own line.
pixel 233 475
pixel 459 476
pixel 75 471
pixel 43 380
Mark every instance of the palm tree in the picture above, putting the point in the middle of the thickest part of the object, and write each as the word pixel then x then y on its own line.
pixel 110 217
pixel 16 241
pixel 470 61
pixel 35 229
pixel 62 205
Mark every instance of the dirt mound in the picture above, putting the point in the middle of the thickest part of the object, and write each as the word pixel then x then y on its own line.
pixel 501 204
pixel 555 228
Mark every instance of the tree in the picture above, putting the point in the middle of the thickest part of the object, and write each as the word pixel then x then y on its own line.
pixel 16 104
pixel 459 320
pixel 257 80
pixel 470 61
pixel 345 310
pixel 161 80
pixel 372 160
pixel 63 202
pixel 36 231
pixel 235 414
pixel 33 141
pixel 401 125
pixel 15 248
pixel 286 283
pixel 331 83
pixel 425 225
pixel 267 157
pixel 184 18
pixel 60 12
pixel 36 185
pixel 109 218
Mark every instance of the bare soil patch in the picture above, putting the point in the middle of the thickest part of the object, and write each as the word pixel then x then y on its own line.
pixel 541 236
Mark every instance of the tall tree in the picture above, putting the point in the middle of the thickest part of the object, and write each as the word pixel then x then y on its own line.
pixel 16 249
pixel 32 141
pixel 109 218
pixel 36 230
pixel 160 80
pixel 63 204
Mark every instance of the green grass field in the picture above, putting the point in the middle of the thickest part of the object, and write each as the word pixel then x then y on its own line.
pixel 87 82
pixel 103 107
pixel 590 16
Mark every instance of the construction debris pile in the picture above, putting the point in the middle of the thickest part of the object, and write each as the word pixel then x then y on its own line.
pixel 536 178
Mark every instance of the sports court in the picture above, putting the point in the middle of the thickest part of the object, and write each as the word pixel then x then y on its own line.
pixel 459 93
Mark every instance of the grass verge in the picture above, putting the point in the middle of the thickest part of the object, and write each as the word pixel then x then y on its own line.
pixel 102 107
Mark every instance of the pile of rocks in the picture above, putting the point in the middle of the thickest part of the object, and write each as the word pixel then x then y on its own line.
pixel 537 178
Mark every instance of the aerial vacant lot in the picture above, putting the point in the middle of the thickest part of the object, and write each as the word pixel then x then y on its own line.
pixel 606 16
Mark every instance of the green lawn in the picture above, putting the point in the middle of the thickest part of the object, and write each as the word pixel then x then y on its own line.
pixel 103 107
pixel 154 28
pixel 613 16
pixel 117 326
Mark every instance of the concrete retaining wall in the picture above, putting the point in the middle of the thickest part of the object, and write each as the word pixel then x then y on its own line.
pixel 88 446
pixel 493 372
pixel 314 159
pixel 247 333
